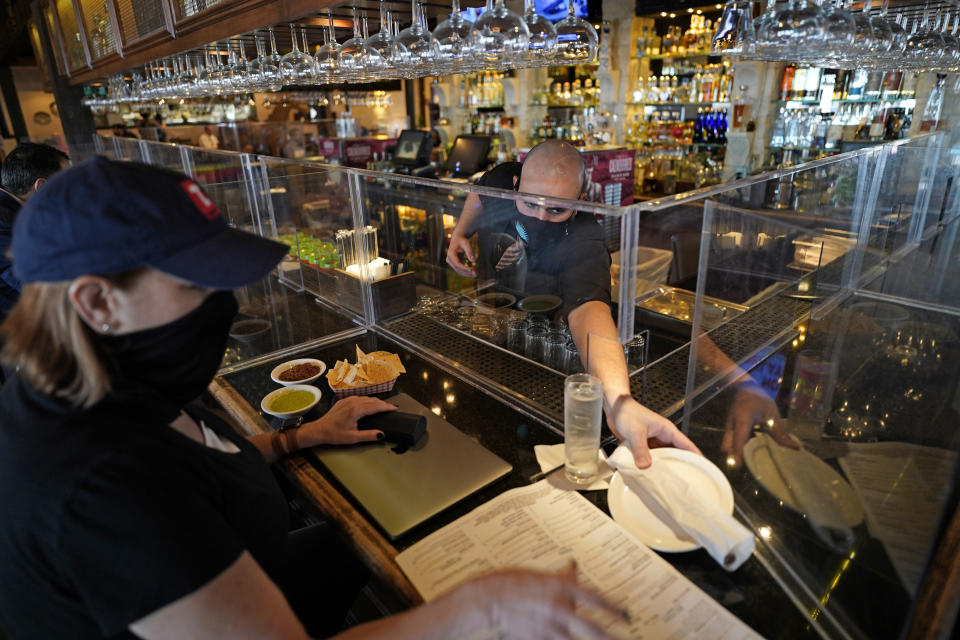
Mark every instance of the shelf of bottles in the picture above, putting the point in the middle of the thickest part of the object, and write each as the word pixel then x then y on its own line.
pixel 676 42
pixel 821 109
pixel 481 91
pixel 571 98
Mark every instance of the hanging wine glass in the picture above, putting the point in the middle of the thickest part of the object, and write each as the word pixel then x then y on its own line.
pixel 453 43
pixel 839 28
pixel 204 85
pixel 188 78
pixel 577 40
pixel 241 68
pixel 297 67
pixel 327 56
pixel 897 36
pixel 764 27
pixel 225 76
pixel 349 59
pixel 376 50
pixel 414 49
pixel 542 47
pixel 864 43
pixel 269 66
pixel 734 35
pixel 499 36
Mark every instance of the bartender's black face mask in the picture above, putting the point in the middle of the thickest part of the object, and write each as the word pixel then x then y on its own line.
pixel 168 366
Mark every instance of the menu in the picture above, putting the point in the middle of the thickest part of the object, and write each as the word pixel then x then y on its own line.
pixel 902 487
pixel 542 527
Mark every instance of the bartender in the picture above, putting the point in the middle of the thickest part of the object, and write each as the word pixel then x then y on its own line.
pixel 542 249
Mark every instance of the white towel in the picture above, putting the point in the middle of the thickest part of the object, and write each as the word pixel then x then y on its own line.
pixel 726 540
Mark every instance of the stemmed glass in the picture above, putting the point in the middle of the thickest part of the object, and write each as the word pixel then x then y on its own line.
pixel 241 81
pixel 839 28
pixel 297 67
pixel 225 75
pixel 269 66
pixel 864 42
pixel 734 35
pixel 500 36
pixel 543 36
pixel 577 40
pixel 327 56
pixel 414 48
pixel 453 42
pixel 348 60
pixel 766 48
pixel 376 49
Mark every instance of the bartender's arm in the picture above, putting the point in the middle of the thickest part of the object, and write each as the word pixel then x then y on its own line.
pixel 460 237
pixel 596 338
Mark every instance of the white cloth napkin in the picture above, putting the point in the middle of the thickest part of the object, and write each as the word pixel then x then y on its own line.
pixel 726 540
pixel 549 456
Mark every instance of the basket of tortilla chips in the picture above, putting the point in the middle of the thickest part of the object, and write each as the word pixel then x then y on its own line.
pixel 374 372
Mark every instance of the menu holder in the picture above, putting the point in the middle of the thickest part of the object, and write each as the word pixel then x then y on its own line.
pixel 392 295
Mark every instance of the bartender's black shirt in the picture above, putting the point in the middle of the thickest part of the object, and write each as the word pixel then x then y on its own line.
pixel 576 268
pixel 106 516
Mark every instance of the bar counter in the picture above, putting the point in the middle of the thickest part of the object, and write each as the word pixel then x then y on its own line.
pixel 750 593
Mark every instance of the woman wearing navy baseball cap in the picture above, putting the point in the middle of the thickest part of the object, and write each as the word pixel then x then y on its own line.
pixel 125 513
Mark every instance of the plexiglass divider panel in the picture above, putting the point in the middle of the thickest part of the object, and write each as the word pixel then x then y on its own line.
pixel 503 315
pixel 829 401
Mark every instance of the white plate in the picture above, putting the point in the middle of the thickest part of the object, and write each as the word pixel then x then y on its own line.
pixel 756 455
pixel 280 368
pixel 646 519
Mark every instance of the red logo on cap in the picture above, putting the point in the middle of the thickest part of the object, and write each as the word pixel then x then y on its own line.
pixel 204 204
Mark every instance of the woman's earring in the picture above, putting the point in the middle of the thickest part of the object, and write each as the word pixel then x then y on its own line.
pixel 105 328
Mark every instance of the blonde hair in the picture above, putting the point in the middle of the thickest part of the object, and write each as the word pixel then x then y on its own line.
pixel 52 347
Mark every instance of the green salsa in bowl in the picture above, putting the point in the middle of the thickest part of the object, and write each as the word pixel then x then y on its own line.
pixel 290 402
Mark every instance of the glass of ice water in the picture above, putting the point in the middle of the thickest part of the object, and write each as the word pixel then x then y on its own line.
pixel 582 407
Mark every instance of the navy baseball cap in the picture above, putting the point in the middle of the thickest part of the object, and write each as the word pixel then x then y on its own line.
pixel 105 217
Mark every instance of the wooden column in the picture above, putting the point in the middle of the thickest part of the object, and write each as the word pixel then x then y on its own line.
pixel 78 127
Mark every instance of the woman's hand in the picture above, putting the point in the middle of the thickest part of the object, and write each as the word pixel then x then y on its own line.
pixel 534 605
pixel 633 423
pixel 339 424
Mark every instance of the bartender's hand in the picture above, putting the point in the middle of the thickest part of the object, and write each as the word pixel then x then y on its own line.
pixel 339 425
pixel 634 424
pixel 460 244
pixel 752 407
pixel 535 605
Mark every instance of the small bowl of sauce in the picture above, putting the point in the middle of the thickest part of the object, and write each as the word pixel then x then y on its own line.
pixel 290 402
pixel 299 371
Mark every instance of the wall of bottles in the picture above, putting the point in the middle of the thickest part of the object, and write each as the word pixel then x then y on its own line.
pixel 823 111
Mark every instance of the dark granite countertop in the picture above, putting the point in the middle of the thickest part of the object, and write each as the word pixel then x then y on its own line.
pixel 750 593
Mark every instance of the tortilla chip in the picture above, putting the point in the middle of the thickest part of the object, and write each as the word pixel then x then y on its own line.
pixel 360 354
pixel 379 371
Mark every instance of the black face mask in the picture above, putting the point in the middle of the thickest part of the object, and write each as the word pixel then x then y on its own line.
pixel 541 233
pixel 160 370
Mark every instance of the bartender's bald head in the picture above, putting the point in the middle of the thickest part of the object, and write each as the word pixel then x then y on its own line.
pixel 552 168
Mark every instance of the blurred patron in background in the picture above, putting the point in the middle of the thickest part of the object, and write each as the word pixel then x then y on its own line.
pixel 23 172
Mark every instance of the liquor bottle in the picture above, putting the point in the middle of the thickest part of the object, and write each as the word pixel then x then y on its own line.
pixel 834 130
pixel 642 42
pixel 462 102
pixel 891 85
pixel 722 127
pixel 654 41
pixel 820 133
pixel 674 84
pixel 786 82
pixel 811 87
pixel 842 84
pixel 576 95
pixel 857 84
pixel 879 123
pixel 698 127
pixel 908 87
pixel 709 127
pixel 931 112
pixel 779 129
pixel 706 86
pixel 799 84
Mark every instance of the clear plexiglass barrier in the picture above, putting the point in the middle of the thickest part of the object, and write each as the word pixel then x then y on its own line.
pixel 829 400
pixel 801 326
